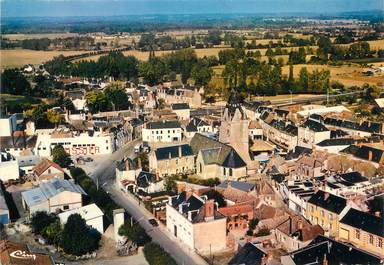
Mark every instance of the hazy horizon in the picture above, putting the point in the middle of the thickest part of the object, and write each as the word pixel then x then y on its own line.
pixel 68 8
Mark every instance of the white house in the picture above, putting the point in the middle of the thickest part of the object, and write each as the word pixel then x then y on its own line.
pixel 297 193
pixel 92 215
pixel 182 110
pixel 162 131
pixel 197 125
pixel 9 170
pixel 74 144
pixel 311 133
pixel 196 222
pixel 7 125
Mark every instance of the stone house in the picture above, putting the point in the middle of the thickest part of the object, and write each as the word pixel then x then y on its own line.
pixel 363 230
pixel 326 210
pixel 171 160
pixel 182 110
pixel 311 132
pixel 295 232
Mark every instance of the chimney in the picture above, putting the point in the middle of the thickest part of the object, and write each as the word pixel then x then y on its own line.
pixel 326 196
pixel 127 164
pixel 169 155
pixel 377 213
pixel 300 224
pixel 370 155
pixel 139 162
pixel 325 261
pixel 209 208
pixel 180 153
pixel 188 194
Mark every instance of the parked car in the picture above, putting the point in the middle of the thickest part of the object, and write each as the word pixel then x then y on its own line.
pixel 137 148
pixel 153 222
pixel 88 159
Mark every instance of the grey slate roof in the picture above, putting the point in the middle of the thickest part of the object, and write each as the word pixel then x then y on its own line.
pixel 362 152
pixel 180 106
pixel 215 152
pixel 372 127
pixel 163 125
pixel 314 126
pixel 331 203
pixel 249 254
pixel 364 221
pixel 335 252
pixel 194 124
pixel 173 151
pixel 145 178
pixel 240 185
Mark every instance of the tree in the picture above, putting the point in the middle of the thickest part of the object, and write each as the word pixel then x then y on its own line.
pixel 77 238
pixel 170 183
pixel 135 233
pixel 96 101
pixel 68 104
pixel 13 82
pixel 61 157
pixel 116 95
pixel 53 116
pixel 216 196
pixel 303 79
pixel 201 74
pixel 40 220
pixel 53 232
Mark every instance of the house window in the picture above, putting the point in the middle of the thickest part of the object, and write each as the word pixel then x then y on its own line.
pixel 371 239
pixel 357 234
pixel 66 207
pixel 230 172
pixel 322 213
pixel 380 242
pixel 330 216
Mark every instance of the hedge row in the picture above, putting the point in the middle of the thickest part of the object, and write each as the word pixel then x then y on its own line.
pixel 156 255
pixel 97 196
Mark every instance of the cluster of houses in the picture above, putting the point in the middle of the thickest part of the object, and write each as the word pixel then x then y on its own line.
pixel 290 186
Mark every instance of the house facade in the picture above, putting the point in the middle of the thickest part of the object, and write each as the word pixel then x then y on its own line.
pixel 196 222
pixel 326 209
pixel 172 160
pixel 363 230
pixel 162 131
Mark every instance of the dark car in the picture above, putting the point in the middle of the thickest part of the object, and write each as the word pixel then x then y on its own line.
pixel 153 222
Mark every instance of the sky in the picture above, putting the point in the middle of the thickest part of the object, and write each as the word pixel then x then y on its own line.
pixel 63 8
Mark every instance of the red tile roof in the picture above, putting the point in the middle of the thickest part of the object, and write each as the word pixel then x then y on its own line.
pixel 44 165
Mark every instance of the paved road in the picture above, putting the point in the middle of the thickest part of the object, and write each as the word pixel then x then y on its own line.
pixel 102 170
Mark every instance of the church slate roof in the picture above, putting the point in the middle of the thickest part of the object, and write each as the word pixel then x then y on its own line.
pixel 214 152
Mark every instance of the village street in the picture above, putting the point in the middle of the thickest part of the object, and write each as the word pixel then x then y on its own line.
pixel 102 171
